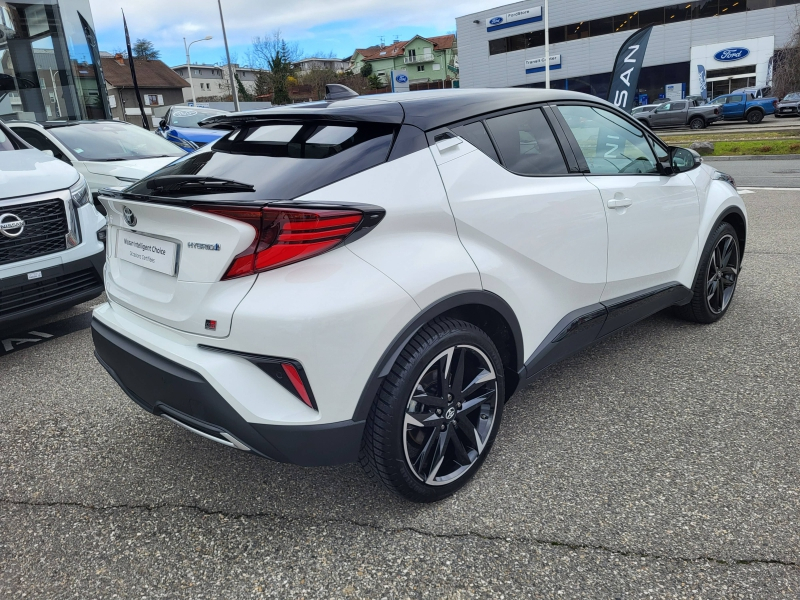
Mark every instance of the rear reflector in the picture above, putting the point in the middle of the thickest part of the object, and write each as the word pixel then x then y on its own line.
pixel 297 382
pixel 286 235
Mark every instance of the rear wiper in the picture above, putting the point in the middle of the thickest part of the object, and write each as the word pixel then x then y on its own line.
pixel 196 184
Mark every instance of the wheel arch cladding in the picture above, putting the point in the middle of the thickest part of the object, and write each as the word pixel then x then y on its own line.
pixel 483 309
pixel 737 221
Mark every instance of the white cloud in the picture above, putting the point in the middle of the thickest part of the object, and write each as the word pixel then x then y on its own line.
pixel 166 23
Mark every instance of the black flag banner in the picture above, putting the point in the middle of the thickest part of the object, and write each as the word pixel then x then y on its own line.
pixel 145 124
pixel 625 78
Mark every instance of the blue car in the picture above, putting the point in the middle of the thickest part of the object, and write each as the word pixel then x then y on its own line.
pixel 180 126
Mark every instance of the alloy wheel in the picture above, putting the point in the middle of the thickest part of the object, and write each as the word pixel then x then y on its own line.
pixel 723 271
pixel 450 415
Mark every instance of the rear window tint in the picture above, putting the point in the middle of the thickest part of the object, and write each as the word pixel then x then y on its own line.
pixel 285 160
pixel 527 144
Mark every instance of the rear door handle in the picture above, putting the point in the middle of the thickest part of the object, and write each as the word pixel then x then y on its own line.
pixel 619 202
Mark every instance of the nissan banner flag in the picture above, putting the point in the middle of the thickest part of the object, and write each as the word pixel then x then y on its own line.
pixel 627 67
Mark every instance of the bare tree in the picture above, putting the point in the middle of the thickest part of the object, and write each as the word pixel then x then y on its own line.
pixel 264 49
pixel 786 64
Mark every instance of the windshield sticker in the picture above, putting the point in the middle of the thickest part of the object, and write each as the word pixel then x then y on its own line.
pixel 184 113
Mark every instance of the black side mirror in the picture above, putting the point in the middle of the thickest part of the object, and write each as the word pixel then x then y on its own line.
pixel 163 124
pixel 684 159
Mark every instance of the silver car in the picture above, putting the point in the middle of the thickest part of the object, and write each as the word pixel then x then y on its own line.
pixel 789 106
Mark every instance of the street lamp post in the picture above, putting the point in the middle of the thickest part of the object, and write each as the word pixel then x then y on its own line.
pixel 189 64
pixel 546 46
pixel 234 91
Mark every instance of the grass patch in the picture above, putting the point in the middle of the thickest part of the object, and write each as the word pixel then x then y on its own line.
pixel 685 138
pixel 746 148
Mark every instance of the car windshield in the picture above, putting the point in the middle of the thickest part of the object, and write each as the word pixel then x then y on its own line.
pixel 190 117
pixel 793 97
pixel 113 141
pixel 5 143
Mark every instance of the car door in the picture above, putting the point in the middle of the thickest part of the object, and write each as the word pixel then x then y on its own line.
pixel 734 106
pixel 652 217
pixel 677 113
pixel 535 228
pixel 660 116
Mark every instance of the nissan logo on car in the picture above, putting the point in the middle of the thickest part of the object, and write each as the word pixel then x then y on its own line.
pixel 496 21
pixel 401 79
pixel 130 218
pixel 11 225
pixel 731 54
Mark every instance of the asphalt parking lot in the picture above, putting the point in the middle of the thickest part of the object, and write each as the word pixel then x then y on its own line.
pixel 661 463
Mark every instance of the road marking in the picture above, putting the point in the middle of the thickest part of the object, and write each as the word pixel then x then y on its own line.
pixel 750 189
pixel 21 340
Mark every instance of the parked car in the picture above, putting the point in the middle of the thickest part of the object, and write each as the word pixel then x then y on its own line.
pixel 644 108
pixel 789 106
pixel 106 153
pixel 181 123
pixel 743 106
pixel 281 306
pixel 680 112
pixel 755 92
pixel 51 237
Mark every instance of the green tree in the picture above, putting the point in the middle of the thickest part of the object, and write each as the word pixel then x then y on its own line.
pixel 280 69
pixel 366 69
pixel 375 82
pixel 244 95
pixel 145 49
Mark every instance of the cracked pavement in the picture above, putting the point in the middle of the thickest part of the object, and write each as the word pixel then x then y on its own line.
pixel 661 463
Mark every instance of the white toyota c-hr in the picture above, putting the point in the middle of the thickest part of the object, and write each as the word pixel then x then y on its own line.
pixel 371 279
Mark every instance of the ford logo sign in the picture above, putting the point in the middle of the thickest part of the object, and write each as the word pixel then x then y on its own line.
pixel 496 21
pixel 401 79
pixel 731 54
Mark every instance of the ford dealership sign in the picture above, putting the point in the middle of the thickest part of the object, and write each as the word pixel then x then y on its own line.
pixel 401 79
pixel 731 54
pixel 512 19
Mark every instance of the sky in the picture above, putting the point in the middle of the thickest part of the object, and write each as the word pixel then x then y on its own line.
pixel 338 26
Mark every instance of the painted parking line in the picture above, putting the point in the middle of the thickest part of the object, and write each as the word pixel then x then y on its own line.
pixel 43 333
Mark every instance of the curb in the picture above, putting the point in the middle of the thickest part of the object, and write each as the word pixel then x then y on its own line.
pixel 755 157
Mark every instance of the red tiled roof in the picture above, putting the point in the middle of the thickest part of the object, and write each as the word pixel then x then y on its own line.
pixel 149 74
pixel 440 42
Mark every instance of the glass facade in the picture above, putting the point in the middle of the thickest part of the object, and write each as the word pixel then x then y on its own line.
pixel 49 62
pixel 672 13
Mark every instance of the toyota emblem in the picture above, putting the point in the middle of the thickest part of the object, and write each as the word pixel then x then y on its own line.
pixel 11 225
pixel 130 218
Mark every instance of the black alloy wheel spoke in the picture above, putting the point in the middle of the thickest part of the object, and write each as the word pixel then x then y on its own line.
pixel 723 269
pixel 444 434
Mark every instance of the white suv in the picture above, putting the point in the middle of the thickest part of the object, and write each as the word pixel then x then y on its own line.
pixel 371 279
pixel 51 236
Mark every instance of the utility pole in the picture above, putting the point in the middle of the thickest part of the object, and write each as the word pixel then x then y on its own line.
pixel 189 64
pixel 234 91
pixel 546 46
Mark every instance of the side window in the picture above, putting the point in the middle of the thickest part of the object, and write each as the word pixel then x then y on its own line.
pixel 678 106
pixel 610 144
pixel 527 144
pixel 664 107
pixel 39 141
pixel 475 134
pixel 736 98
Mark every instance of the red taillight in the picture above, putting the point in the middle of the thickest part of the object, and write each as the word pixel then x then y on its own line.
pixel 286 235
pixel 716 111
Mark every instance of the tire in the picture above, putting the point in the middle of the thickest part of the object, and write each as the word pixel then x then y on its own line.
pixel 708 304
pixel 401 447
pixel 697 123
pixel 754 116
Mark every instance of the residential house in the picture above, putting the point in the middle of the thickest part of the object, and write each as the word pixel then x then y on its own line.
pixel 212 81
pixel 158 86
pixel 425 59
pixel 319 64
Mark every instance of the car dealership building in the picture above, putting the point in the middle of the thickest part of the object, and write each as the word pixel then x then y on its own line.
pixel 732 40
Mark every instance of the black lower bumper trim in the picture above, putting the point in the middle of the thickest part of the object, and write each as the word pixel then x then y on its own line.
pixel 57 288
pixel 161 386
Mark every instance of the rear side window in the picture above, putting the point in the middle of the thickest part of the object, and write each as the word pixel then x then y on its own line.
pixel 475 134
pixel 527 144
pixel 736 98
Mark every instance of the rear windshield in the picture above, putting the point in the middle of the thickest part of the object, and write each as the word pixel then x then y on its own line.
pixel 285 160
pixel 190 117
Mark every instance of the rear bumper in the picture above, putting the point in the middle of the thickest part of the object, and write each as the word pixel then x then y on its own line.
pixel 59 287
pixel 166 388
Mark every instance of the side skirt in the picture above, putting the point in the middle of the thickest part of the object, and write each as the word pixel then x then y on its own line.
pixel 585 326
